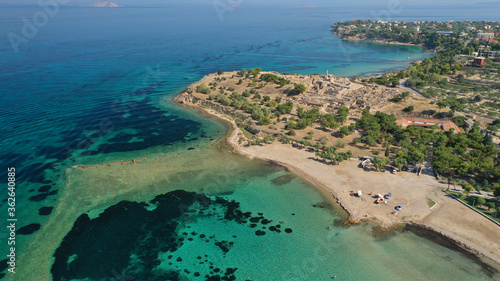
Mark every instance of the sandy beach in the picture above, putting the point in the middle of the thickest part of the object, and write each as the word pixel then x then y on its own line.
pixel 426 205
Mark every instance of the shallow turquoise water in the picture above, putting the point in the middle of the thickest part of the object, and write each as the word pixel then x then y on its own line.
pixel 291 233
pixel 313 251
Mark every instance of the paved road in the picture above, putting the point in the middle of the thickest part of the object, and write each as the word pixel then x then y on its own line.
pixel 402 85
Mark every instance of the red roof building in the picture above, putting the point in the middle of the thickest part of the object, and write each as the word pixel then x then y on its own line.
pixel 479 61
pixel 444 125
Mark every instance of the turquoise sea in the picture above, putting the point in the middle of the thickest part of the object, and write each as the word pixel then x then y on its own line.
pixel 93 86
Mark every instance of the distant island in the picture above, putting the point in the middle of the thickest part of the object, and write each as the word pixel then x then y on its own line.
pixel 104 4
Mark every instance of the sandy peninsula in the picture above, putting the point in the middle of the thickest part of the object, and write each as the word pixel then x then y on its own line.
pixel 426 206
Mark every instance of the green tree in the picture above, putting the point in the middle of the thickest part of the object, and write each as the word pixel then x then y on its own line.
pixel 481 201
pixel 299 89
pixel 369 140
pixel 285 140
pixel 328 121
pixel 442 104
pixel 490 205
pixel 450 181
pixel 486 184
pixel 467 189
pixel 318 146
pixel 405 95
pixel 342 114
pixel 409 108
pixel 264 120
pixel 415 155
pixel 203 89
pixel 459 121
pixel 255 71
pixel 343 131
pixel 349 154
pixel 272 103
pixel 380 162
pixel 496 190
pixel 257 114
pixel 285 108
pixel 472 182
pixel 400 161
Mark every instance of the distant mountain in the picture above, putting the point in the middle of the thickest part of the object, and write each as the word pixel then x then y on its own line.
pixel 104 4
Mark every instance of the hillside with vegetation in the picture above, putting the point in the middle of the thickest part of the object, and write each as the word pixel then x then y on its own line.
pixel 450 79
pixel 271 107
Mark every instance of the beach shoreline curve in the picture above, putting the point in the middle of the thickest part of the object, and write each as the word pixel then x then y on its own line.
pixel 421 226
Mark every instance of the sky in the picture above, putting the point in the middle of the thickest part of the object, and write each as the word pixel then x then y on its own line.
pixel 291 3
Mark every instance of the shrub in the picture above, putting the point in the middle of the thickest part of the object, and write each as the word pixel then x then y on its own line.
pixel 299 89
pixel 409 108
pixel 272 103
pixel 203 89
pixel 285 139
pixel 340 144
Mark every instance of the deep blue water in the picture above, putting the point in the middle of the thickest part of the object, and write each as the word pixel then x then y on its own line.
pixel 90 85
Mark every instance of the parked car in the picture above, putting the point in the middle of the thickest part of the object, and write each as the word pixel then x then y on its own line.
pixel 393 171
pixel 399 207
pixel 388 195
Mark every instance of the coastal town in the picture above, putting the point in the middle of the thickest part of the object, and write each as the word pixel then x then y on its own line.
pixel 462 77
pixel 385 149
